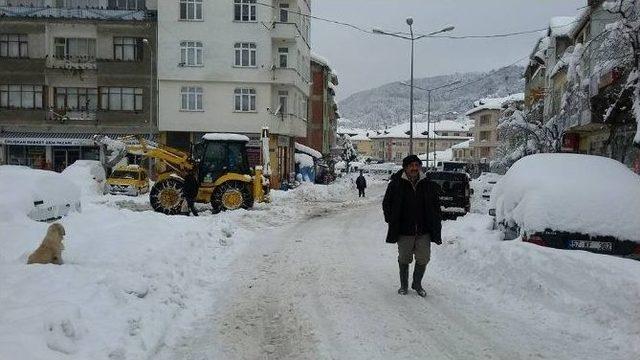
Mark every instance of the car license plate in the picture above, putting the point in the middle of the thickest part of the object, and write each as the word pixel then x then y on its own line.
pixel 446 198
pixel 591 245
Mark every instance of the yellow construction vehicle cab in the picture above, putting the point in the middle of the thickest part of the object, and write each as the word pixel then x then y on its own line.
pixel 221 165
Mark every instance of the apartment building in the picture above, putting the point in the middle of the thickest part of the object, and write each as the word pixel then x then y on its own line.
pixel 323 114
pixel 235 66
pixel 70 69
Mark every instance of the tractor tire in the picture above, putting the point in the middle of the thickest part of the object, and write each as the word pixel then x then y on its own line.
pixel 167 196
pixel 231 195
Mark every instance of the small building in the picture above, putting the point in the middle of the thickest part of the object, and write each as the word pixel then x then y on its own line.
pixel 362 144
pixel 463 152
pixel 485 115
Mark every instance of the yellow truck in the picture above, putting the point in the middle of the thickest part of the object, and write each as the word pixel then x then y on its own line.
pixel 220 161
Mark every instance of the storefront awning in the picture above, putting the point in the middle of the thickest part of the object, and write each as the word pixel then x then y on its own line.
pixel 54 139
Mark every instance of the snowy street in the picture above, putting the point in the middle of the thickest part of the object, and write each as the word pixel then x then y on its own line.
pixel 307 276
pixel 325 288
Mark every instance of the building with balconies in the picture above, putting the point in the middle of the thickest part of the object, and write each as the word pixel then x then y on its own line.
pixel 485 114
pixel 70 69
pixel 235 66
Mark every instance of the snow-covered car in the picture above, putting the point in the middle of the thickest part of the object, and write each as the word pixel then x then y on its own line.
pixel 570 201
pixel 89 175
pixel 483 185
pixel 39 194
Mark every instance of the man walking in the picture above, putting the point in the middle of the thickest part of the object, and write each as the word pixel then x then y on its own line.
pixel 361 184
pixel 191 187
pixel 412 210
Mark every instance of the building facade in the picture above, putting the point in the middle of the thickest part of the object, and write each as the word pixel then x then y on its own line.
pixel 69 70
pixel 323 115
pixel 235 66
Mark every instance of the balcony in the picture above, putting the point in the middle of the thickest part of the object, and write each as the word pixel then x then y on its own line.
pixel 285 31
pixel 76 13
pixel 291 76
pixel 71 62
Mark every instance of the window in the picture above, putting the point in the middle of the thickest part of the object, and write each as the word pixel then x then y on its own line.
pixel 283 56
pixel 76 98
pixel 245 99
pixel 75 47
pixel 485 135
pixel 191 97
pixel 283 98
pixel 445 134
pixel 13 45
pixel 121 4
pixel 191 53
pixel 245 54
pixel 121 99
pixel 244 10
pixel 284 13
pixel 190 9
pixel 485 119
pixel 127 49
pixel 21 96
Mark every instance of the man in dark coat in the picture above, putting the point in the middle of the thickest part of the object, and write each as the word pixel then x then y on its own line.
pixel 412 210
pixel 361 184
pixel 191 187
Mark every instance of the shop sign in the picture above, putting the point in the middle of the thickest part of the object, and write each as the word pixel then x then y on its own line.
pixel 47 142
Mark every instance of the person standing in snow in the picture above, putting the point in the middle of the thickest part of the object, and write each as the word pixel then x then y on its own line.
pixel 191 187
pixel 361 184
pixel 412 209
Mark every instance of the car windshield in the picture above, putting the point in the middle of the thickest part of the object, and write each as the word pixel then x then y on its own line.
pixel 125 174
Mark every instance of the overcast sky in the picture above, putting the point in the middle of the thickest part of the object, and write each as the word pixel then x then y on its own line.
pixel 364 61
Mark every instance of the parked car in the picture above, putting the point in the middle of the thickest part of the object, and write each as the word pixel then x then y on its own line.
pixel 484 184
pixel 570 201
pixel 128 180
pixel 41 195
pixel 454 192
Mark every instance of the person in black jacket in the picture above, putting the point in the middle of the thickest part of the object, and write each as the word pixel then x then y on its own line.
pixel 412 210
pixel 191 187
pixel 361 184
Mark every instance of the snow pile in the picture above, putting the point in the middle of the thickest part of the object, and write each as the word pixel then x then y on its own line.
pixel 561 25
pixel 304 160
pixel 115 150
pixel 88 175
pixel 20 187
pixel 225 137
pixel 570 192
pixel 307 150
pixel 562 291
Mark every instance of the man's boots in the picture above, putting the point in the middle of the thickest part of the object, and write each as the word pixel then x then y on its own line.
pixel 404 279
pixel 418 273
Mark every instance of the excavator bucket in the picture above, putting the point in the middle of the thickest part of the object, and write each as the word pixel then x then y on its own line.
pixel 113 150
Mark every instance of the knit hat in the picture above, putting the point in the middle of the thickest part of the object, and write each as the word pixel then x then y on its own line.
pixel 410 159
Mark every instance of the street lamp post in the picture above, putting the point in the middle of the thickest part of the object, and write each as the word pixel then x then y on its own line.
pixel 412 38
pixel 151 98
pixel 429 91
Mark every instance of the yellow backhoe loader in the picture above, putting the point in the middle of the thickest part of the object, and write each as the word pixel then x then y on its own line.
pixel 226 181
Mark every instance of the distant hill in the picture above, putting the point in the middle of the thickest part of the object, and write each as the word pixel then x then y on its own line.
pixel 389 104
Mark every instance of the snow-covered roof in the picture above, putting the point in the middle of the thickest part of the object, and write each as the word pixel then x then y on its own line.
pixel 420 130
pixel 225 137
pixel 359 137
pixel 309 151
pixel 463 145
pixel 570 192
pixel 561 25
pixel 320 59
pixel 444 155
pixel 495 103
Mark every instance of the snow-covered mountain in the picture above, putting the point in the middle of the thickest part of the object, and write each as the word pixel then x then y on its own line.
pixel 389 104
